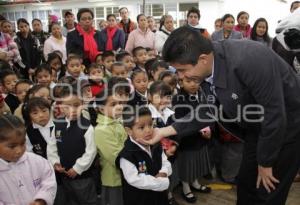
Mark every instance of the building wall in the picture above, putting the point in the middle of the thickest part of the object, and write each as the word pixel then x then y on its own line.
pixel 272 10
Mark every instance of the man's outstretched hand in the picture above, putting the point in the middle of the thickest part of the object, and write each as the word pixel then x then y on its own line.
pixel 158 134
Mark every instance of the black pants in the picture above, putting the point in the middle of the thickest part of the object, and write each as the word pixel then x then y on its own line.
pixel 284 170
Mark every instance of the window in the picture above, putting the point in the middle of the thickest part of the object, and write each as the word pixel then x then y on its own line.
pixel 112 10
pixel 157 10
pixel 100 12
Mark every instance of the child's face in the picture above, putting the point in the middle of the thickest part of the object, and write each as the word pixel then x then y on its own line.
pixel 40 116
pixel 44 78
pixel 140 82
pixel 21 91
pixel 261 28
pixel 141 57
pixel 160 102
pixel 12 149
pixel 191 86
pixel 96 74
pixel 9 83
pixel 119 71
pixel 142 128
pixel 43 93
pixel 99 60
pixel 114 106
pixel 157 73
pixel 129 63
pixel 55 64
pixel 87 95
pixel 151 54
pixel 71 106
pixel 108 61
pixel 74 68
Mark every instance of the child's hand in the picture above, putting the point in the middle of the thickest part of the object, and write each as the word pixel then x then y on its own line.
pixel 161 174
pixel 38 202
pixel 171 151
pixel 206 132
pixel 59 168
pixel 71 173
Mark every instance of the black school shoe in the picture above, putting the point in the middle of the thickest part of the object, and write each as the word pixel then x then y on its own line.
pixel 192 199
pixel 172 201
pixel 203 189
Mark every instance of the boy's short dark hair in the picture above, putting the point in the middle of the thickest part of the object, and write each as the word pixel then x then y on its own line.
pixel 159 87
pixel 73 57
pixel 24 81
pixel 43 67
pixel 92 66
pixel 185 45
pixel 116 64
pixel 5 73
pixel 130 115
pixel 106 54
pixel 193 10
pixel 137 49
pixel 110 15
pixel 122 55
pixel 114 82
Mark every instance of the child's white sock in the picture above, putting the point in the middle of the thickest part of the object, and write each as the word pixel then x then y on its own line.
pixel 186 188
pixel 196 184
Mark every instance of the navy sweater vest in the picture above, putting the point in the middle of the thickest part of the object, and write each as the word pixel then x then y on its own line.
pixel 147 165
pixel 71 142
pixel 37 140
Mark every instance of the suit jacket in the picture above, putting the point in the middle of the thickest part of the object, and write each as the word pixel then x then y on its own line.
pixel 75 44
pixel 118 40
pixel 243 80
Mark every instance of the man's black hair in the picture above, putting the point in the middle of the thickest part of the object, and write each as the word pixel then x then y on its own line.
pixel 185 45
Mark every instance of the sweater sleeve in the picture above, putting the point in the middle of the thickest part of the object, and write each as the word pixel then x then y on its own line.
pixel 142 181
pixel 85 161
pixel 52 153
pixel 48 186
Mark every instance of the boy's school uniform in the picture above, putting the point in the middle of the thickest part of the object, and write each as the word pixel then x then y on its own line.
pixel 139 167
pixel 30 178
pixel 73 145
pixel 137 99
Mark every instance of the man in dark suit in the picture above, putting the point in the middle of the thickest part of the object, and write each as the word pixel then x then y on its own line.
pixel 257 101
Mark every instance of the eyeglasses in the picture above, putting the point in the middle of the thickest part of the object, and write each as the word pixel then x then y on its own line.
pixel 86 18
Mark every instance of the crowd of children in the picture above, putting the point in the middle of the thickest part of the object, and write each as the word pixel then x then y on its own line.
pixel 73 115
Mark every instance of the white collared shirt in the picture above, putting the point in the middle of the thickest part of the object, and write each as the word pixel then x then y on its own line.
pixel 45 132
pixel 166 113
pixel 143 181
